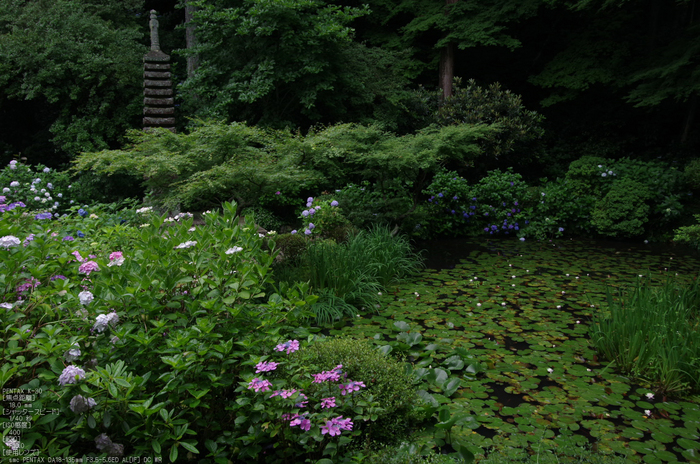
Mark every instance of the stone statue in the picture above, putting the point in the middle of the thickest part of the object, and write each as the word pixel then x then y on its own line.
pixel 153 23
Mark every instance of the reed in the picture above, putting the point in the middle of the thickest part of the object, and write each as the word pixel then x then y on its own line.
pixel 653 333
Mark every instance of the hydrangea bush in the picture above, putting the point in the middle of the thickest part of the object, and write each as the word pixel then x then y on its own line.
pixel 136 349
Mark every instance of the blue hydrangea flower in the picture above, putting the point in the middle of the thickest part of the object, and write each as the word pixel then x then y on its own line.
pixel 80 234
pixel 82 212
pixel 334 203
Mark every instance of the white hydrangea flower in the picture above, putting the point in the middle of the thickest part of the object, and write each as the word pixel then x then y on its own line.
pixel 188 244
pixel 85 297
pixel 9 241
pixel 233 250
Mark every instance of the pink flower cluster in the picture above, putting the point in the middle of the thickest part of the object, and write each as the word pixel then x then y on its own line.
pixel 333 375
pixel 328 402
pixel 291 346
pixel 334 426
pixel 116 259
pixel 284 393
pixel 265 367
pixel 88 267
pixel 259 385
pixel 301 421
pixel 351 387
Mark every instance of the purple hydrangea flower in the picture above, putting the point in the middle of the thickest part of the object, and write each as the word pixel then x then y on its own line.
pixel 71 374
pixel 290 346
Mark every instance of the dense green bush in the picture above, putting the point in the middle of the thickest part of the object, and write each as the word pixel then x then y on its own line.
pixel 492 206
pixel 213 163
pixel 623 211
pixel 689 235
pixel 366 204
pixel 384 376
pixel 154 331
pixel 556 209
pixel 473 104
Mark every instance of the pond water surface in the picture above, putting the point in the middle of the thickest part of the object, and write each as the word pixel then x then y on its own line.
pixel 521 310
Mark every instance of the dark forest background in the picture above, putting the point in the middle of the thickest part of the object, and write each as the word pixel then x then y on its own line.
pixel 612 78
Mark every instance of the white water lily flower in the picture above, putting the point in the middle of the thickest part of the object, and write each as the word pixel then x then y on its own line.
pixel 647 412
pixel 649 395
pixel 550 370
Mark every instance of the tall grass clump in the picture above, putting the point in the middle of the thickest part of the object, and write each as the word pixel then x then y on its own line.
pixel 653 333
pixel 349 276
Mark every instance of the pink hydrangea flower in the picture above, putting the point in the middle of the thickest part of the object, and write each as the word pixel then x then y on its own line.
pixel 333 375
pixel 116 259
pixel 259 385
pixel 302 422
pixel 88 267
pixel 291 346
pixel 265 367
pixel 334 426
pixel 351 387
pixel 328 402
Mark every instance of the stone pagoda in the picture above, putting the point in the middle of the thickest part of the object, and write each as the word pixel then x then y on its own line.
pixel 158 101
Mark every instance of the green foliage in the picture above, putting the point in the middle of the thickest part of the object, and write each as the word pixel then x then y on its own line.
pixel 627 190
pixel 387 202
pixel 623 211
pixel 493 105
pixel 493 205
pixel 401 454
pixel 652 333
pixel 80 61
pixel 264 218
pixel 354 271
pixel 691 174
pixel 384 376
pixel 190 310
pixel 272 63
pixel 352 152
pixel 324 218
pixel 689 235
pixel 557 209
pixel 213 163
pixel 291 246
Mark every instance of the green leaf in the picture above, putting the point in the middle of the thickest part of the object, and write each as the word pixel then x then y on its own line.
pixel 173 453
pixel 189 447
pixel 402 326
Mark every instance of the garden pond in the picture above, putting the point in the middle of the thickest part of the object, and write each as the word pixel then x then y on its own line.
pixel 521 310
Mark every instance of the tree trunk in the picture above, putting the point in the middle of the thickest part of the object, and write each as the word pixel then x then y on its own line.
pixel 192 60
pixel 689 118
pixel 447 61
pixel 447 70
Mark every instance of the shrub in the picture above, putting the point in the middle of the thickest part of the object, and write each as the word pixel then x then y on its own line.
pixel 623 211
pixel 324 218
pixel 473 104
pixel 366 204
pixel 348 276
pixel 40 188
pixel 691 174
pixel 689 235
pixel 556 209
pixel 493 205
pixel 158 332
pixel 264 218
pixel 384 377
